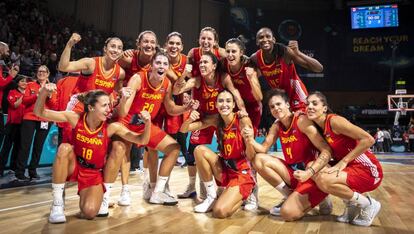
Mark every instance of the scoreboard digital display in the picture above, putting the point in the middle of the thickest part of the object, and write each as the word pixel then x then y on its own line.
pixel 374 16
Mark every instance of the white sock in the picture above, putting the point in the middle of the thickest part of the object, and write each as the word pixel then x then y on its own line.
pixel 108 187
pixel 152 185
pixel 361 200
pixel 146 174
pixel 160 185
pixel 283 189
pixel 57 193
pixel 125 186
pixel 192 181
pixel 210 188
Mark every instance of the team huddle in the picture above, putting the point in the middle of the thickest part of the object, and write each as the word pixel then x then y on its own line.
pixel 152 97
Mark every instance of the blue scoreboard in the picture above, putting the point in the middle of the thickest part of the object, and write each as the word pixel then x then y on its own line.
pixel 374 16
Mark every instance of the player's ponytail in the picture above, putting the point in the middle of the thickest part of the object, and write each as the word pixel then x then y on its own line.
pixel 91 98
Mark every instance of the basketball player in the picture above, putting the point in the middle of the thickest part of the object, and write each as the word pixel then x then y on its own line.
pixel 84 160
pixel 300 142
pixel 276 63
pixel 230 169
pixel 356 169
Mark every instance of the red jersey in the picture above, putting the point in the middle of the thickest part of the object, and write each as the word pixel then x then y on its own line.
pixel 147 98
pixel 207 96
pixel 135 68
pixel 98 80
pixel 29 99
pixel 197 53
pixel 341 145
pixel 4 81
pixel 296 146
pixel 233 145
pixel 172 124
pixel 280 75
pixel 276 73
pixel 241 82
pixel 91 146
pixel 15 115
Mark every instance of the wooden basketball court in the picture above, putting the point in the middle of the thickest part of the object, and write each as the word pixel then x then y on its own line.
pixel 25 210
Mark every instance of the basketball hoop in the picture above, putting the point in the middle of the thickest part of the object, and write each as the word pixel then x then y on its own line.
pixel 403 111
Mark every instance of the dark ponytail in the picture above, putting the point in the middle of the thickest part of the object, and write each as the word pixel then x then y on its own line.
pixel 91 98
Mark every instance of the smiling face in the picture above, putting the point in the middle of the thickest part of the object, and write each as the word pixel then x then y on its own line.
pixel 147 44
pixel 174 46
pixel 233 53
pixel 114 49
pixel 42 73
pixel 279 107
pixel 315 107
pixel 225 103
pixel 207 66
pixel 160 65
pixel 207 40
pixel 265 39
pixel 22 84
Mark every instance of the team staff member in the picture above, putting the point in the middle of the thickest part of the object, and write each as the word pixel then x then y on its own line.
pixel 83 162
pixel 231 169
pixel 300 142
pixel 276 63
pixel 14 120
pixel 32 125
pixel 356 168
pixel 4 81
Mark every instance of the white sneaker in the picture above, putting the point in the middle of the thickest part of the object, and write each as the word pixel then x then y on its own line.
pixel 350 212
pixel 189 192
pixel 104 209
pixel 162 198
pixel 325 207
pixel 167 190
pixel 275 211
pixel 125 197
pixel 57 214
pixel 367 215
pixel 252 202
pixel 205 206
pixel 147 191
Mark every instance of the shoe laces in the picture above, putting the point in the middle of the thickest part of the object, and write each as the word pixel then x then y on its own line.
pixel 365 213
